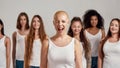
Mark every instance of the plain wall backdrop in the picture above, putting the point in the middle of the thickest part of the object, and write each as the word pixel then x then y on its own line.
pixel 9 10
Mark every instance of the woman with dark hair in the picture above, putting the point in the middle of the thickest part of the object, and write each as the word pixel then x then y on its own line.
pixel 19 40
pixel 34 42
pixel 5 48
pixel 94 31
pixel 76 31
pixel 109 49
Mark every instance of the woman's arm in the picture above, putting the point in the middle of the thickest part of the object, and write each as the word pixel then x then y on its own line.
pixel 44 53
pixel 103 34
pixel 89 60
pixel 8 51
pixel 14 48
pixel 100 57
pixel 78 54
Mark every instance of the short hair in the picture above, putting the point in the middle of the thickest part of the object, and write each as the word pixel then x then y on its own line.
pixel 61 12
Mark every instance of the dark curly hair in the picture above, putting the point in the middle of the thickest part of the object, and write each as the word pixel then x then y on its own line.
pixel 87 18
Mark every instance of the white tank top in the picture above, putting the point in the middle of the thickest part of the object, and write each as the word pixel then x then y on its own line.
pixel 84 63
pixel 2 53
pixel 111 54
pixel 61 57
pixel 94 41
pixel 20 46
pixel 36 53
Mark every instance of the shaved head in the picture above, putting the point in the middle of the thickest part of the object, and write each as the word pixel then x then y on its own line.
pixel 59 13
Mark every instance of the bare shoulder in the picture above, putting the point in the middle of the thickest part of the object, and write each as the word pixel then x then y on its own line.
pixel 7 39
pixel 103 30
pixel 45 41
pixel 14 34
pixel 77 43
pixel 103 33
pixel 101 41
pixel 87 29
pixel 26 37
pixel 84 31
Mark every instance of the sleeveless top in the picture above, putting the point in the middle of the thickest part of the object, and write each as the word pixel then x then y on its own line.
pixel 94 41
pixel 20 46
pixel 111 54
pixel 2 53
pixel 61 57
pixel 36 53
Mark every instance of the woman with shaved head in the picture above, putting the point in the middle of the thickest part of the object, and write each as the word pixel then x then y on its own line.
pixel 61 50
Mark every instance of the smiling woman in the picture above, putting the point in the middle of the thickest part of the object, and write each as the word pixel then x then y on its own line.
pixel 109 49
pixel 94 31
pixel 33 43
pixel 76 30
pixel 59 44
pixel 9 11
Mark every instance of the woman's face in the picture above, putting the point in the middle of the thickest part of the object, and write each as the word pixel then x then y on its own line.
pixel 60 23
pixel 23 20
pixel 36 23
pixel 76 27
pixel 94 21
pixel 114 27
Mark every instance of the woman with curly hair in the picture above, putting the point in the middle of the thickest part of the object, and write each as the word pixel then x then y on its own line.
pixel 94 31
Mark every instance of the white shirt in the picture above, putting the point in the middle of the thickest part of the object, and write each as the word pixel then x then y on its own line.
pixel 2 53
pixel 111 54
pixel 36 53
pixel 61 57
pixel 20 46
pixel 94 41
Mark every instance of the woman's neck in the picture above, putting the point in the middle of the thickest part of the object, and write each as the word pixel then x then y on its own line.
pixel 77 37
pixel 23 29
pixel 114 35
pixel 93 28
pixel 62 35
pixel 36 34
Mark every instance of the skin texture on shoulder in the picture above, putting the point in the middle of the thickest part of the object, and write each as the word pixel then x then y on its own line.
pixel 103 33
pixel 100 56
pixel 78 54
pixel 44 52
pixel 8 50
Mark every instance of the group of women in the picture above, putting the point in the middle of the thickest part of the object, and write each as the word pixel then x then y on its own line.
pixel 84 45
